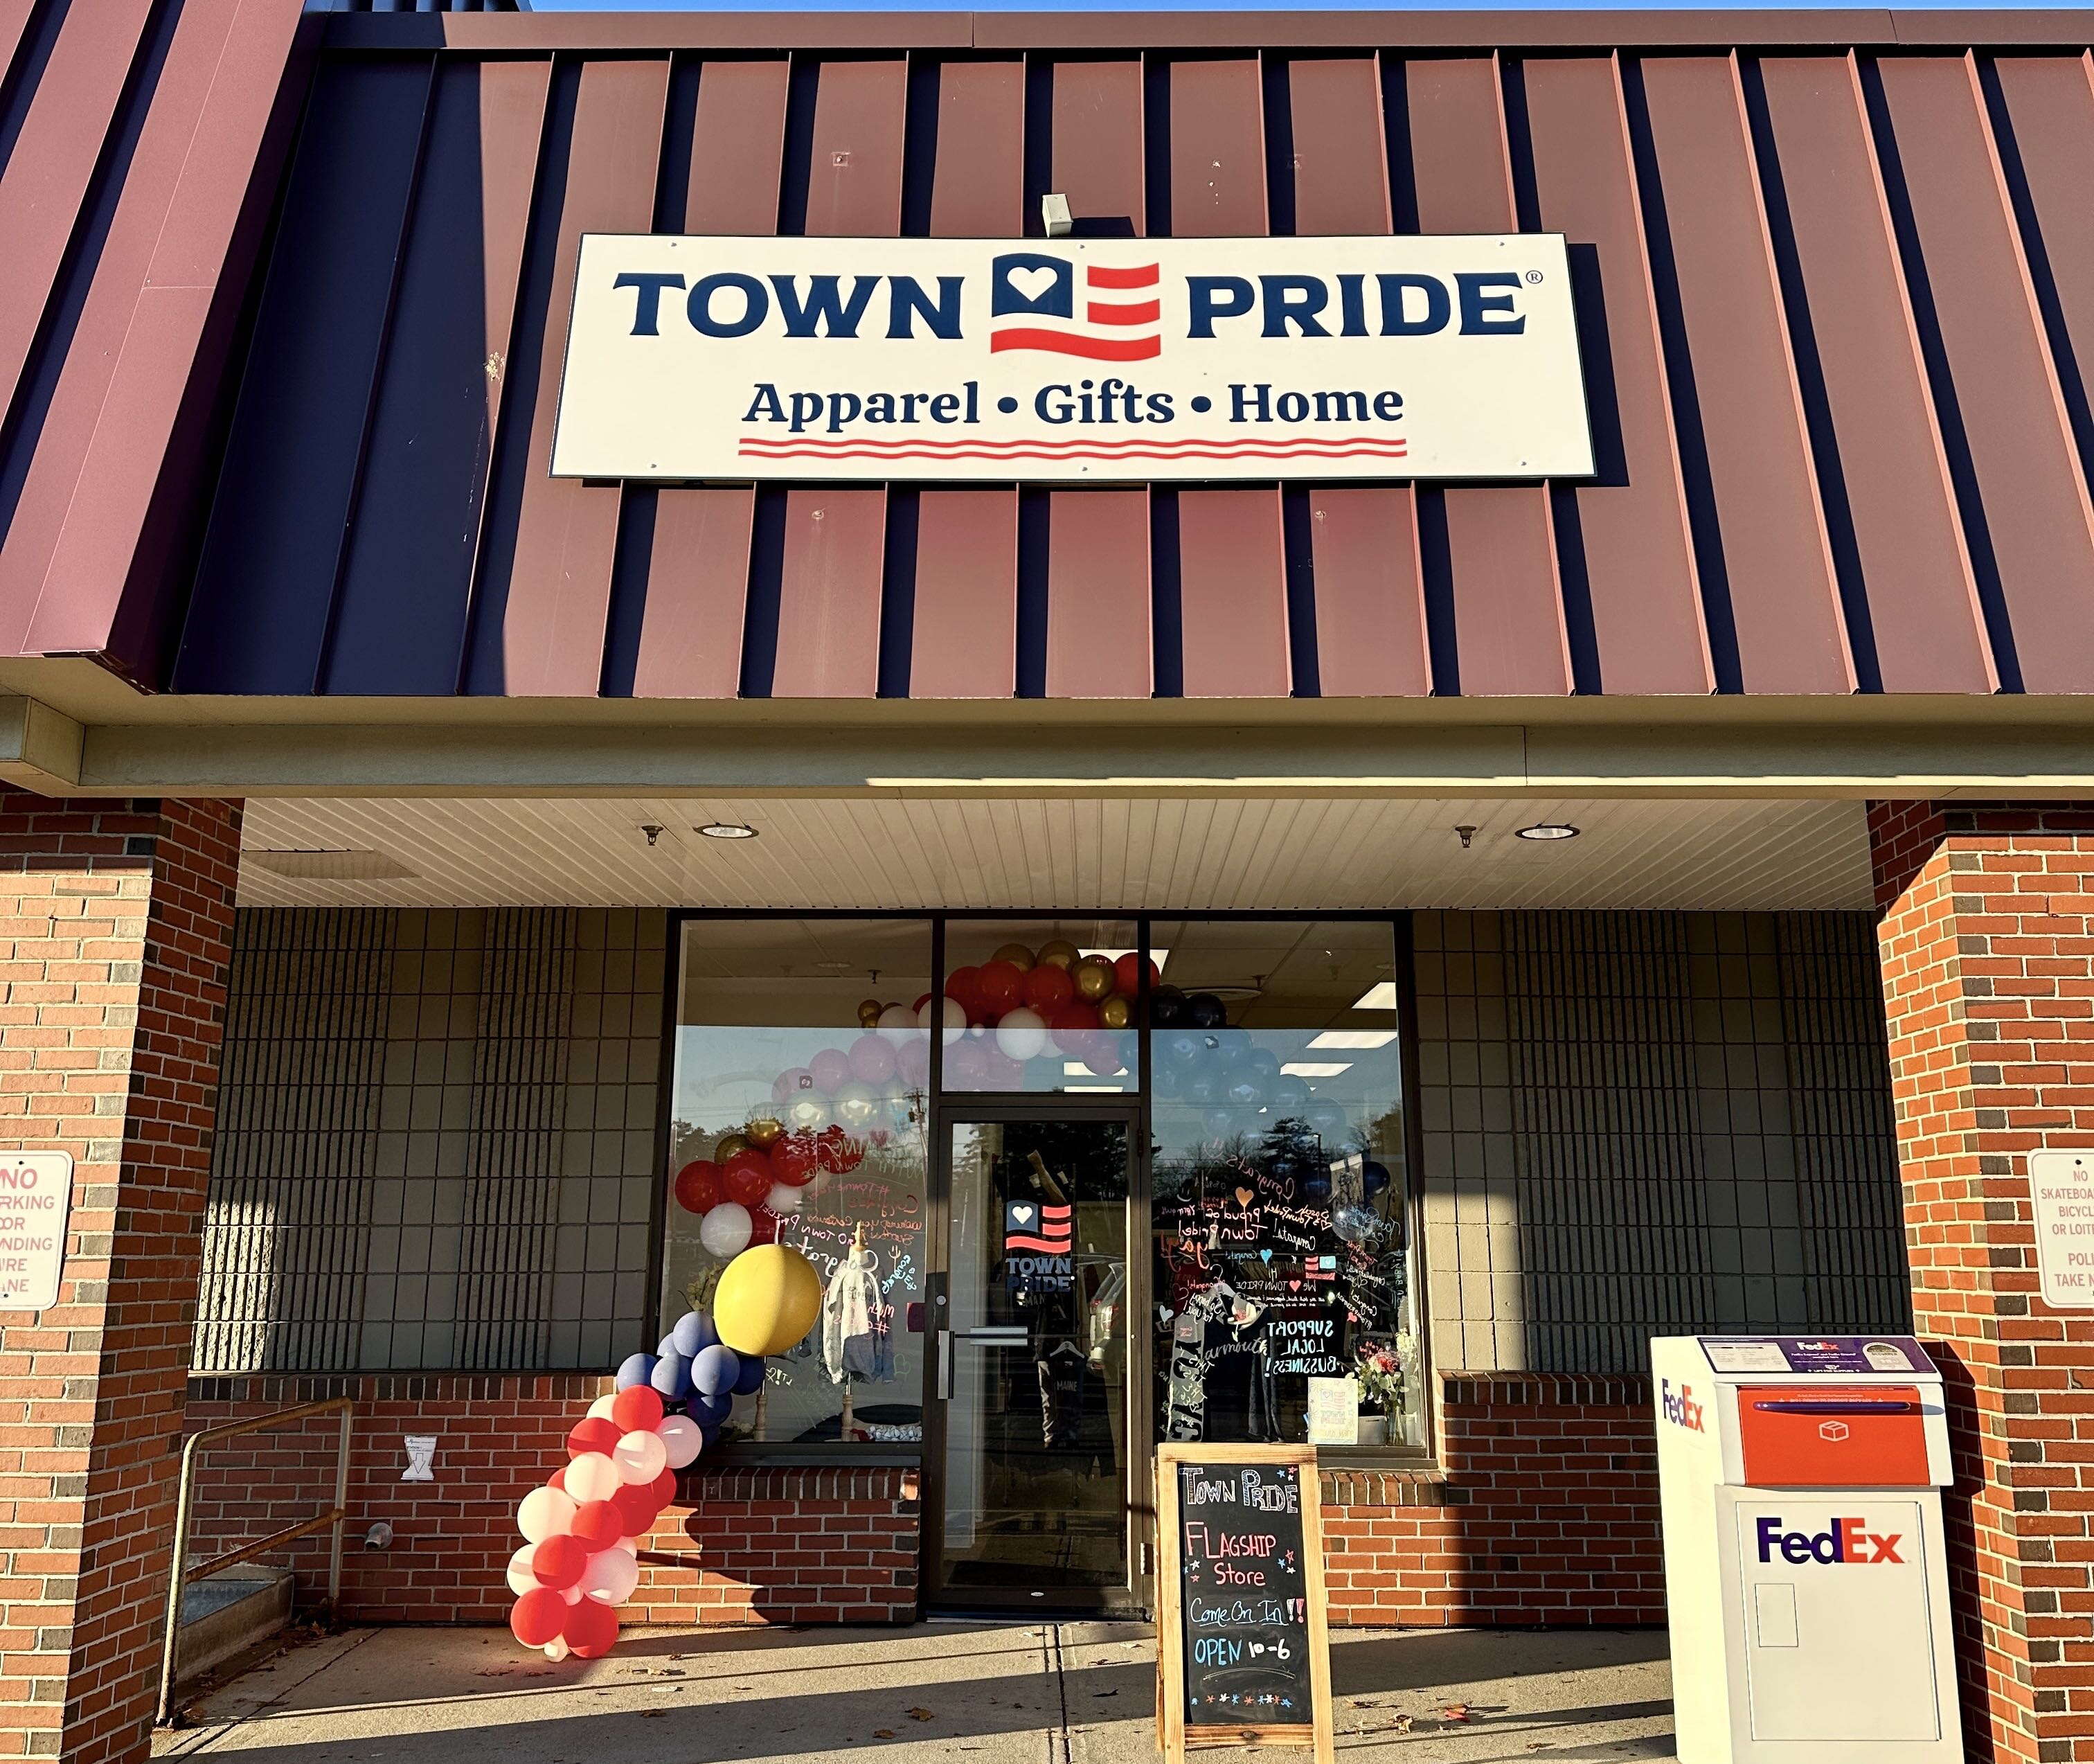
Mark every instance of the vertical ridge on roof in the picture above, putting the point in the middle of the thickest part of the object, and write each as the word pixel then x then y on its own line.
pixel 2025 504
pixel 1769 546
pixel 1633 560
pixel 1501 591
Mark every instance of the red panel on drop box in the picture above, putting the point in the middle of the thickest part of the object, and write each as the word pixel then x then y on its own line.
pixel 1821 1436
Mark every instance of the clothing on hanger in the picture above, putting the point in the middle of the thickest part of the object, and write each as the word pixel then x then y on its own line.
pixel 857 1337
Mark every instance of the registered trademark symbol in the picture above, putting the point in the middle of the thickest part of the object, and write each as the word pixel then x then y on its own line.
pixel 1534 276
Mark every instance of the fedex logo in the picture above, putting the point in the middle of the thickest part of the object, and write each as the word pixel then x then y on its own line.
pixel 1679 1407
pixel 1846 1542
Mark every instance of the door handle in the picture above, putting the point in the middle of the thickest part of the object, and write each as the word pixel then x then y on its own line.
pixel 944 1365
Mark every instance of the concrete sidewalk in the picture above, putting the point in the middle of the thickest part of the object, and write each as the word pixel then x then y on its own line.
pixel 987 1693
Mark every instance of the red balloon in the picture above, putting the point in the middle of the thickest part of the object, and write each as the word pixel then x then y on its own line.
pixel 794 1160
pixel 1073 1026
pixel 598 1524
pixel 763 1225
pixel 963 987
pixel 591 1629
pixel 920 1003
pixel 698 1186
pixel 559 1480
pixel 1047 988
pixel 637 1509
pixel 663 1488
pixel 559 1561
pixel 594 1434
pixel 1127 975
pixel 539 1616
pixel 747 1178
pixel 1001 986
pixel 636 1410
pixel 830 1151
pixel 1103 1056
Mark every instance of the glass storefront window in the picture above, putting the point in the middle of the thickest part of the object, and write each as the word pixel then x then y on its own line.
pixel 1041 1006
pixel 1281 1215
pixel 799 1114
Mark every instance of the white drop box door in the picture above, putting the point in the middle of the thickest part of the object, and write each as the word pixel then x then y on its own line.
pixel 1841 1649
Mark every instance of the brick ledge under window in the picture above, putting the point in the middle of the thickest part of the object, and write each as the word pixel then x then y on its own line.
pixel 1461 1390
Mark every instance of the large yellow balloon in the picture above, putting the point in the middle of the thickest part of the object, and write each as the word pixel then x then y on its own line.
pixel 768 1298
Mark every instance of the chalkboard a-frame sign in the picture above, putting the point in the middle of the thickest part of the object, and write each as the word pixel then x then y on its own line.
pixel 1242 1630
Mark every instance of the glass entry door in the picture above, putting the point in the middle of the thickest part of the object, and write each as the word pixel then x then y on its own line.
pixel 1030 1441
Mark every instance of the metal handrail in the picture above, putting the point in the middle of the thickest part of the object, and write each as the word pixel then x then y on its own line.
pixel 180 1573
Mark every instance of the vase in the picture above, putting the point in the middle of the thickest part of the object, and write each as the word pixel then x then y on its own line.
pixel 1374 1430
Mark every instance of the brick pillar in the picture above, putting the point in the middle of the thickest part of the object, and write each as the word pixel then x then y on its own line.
pixel 115 921
pixel 1988 955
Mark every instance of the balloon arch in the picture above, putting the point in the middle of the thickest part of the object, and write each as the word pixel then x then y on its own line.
pixel 580 1557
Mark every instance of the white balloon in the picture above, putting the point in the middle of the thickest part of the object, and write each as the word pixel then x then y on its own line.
pixel 1021 1035
pixel 783 1199
pixel 556 1649
pixel 610 1577
pixel 897 1023
pixel 725 1229
pixel 521 1579
pixel 641 1457
pixel 600 1410
pixel 545 1513
pixel 630 1546
pixel 947 1014
pixel 593 1477
pixel 855 1105
pixel 682 1439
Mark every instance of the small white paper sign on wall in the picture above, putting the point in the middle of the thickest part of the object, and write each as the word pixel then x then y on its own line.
pixel 2063 1184
pixel 421 1458
pixel 35 1192
pixel 1334 1411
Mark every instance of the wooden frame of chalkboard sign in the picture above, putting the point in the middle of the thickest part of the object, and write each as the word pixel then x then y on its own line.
pixel 1175 1731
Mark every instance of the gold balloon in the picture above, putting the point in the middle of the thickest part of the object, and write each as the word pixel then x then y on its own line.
pixel 727 1147
pixel 765 1132
pixel 1061 952
pixel 1116 1013
pixel 868 1012
pixel 1016 955
pixel 1093 976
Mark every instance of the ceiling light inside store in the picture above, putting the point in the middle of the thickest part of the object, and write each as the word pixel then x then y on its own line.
pixel 1547 830
pixel 1315 1068
pixel 1349 1039
pixel 726 830
pixel 1379 996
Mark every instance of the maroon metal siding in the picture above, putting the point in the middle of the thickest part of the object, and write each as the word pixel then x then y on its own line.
pixel 1832 271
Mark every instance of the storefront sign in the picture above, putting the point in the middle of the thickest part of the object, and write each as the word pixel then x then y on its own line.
pixel 1072 360
pixel 2063 1184
pixel 1242 1633
pixel 36 1190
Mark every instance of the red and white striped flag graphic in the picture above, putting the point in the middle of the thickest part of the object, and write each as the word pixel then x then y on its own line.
pixel 1121 320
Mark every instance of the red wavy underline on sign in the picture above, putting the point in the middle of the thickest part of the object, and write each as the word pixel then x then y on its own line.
pixel 1096 348
pixel 783 450
pixel 1149 312
pixel 1306 443
pixel 1060 1246
pixel 1140 275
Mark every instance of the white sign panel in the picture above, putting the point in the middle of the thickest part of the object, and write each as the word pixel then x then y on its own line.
pixel 2062 1183
pixel 36 1191
pixel 1071 360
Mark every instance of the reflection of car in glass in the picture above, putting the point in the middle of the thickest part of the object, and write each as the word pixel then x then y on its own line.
pixel 865 1416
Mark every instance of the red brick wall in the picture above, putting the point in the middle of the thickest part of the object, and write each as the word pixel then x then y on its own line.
pixel 1988 979
pixel 1549 1513
pixel 771 1545
pixel 114 919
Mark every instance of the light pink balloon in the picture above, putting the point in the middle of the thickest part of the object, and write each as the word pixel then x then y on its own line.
pixel 967 1065
pixel 546 1513
pixel 641 1457
pixel 521 1579
pixel 872 1059
pixel 592 1477
pixel 682 1439
pixel 610 1577
pixel 912 1064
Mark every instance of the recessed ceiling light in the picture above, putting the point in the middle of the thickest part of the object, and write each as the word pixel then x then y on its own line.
pixel 726 830
pixel 1315 1068
pixel 1381 996
pixel 1349 1041
pixel 1547 830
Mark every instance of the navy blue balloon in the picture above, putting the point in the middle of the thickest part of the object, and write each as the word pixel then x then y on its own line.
pixel 715 1371
pixel 694 1334
pixel 708 1412
pixel 635 1369
pixel 1374 1178
pixel 1182 1048
pixel 1316 1186
pixel 1166 1007
pixel 673 1375
pixel 1245 1089
pixel 1290 1095
pixel 1205 1088
pixel 751 1380
pixel 1203 1010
